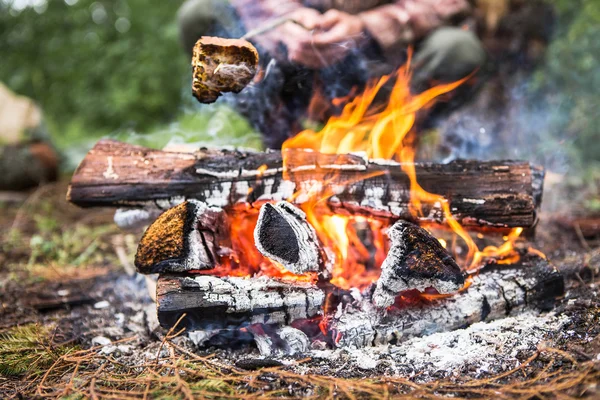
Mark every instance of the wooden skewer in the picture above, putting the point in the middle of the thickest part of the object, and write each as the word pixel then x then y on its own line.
pixel 269 25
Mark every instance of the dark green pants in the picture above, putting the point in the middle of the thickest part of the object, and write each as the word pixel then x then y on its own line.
pixel 276 104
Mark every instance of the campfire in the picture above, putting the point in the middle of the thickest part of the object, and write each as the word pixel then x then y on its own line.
pixel 340 239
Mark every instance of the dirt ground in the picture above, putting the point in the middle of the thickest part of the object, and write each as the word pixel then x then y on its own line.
pixel 76 321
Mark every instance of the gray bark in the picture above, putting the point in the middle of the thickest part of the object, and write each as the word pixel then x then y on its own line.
pixel 211 302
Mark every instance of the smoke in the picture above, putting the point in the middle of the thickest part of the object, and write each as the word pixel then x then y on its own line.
pixel 518 125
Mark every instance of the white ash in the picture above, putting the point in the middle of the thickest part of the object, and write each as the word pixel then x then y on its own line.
pixel 297 300
pixel 101 341
pixel 101 304
pixel 264 344
pixel 200 337
pixel 135 218
pixel 484 347
pixel 197 256
pixel 295 339
pixel 494 292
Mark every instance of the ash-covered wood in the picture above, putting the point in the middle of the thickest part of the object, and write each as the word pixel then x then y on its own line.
pixel 497 292
pixel 492 193
pixel 284 235
pixel 416 260
pixel 184 238
pixel 211 302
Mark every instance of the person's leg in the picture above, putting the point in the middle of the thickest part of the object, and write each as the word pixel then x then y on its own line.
pixel 197 18
pixel 446 55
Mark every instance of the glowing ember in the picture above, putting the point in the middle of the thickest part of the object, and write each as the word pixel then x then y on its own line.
pixel 243 258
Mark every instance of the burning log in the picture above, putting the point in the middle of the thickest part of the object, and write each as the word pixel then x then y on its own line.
pixel 211 302
pixel 492 193
pixel 282 234
pixel 416 260
pixel 184 238
pixel 498 291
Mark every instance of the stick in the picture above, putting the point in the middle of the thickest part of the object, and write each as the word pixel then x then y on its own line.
pixel 269 25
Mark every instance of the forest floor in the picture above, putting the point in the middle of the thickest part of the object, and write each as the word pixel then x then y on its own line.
pixel 76 321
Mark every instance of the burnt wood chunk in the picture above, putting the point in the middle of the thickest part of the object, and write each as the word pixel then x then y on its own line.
pixel 221 65
pixel 282 234
pixel 416 260
pixel 211 302
pixel 183 238
pixel 496 292
pixel 480 193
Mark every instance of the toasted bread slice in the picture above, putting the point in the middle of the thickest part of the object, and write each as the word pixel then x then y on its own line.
pixel 221 65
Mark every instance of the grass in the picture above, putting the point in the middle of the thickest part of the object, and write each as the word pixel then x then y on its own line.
pixel 68 372
pixel 45 238
pixel 28 349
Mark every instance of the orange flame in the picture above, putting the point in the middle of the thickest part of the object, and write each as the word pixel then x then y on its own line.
pixel 380 132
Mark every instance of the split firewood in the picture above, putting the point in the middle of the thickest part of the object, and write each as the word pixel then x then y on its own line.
pixel 221 65
pixel 480 193
pixel 211 302
pixel 496 292
pixel 416 260
pixel 184 238
pixel 283 234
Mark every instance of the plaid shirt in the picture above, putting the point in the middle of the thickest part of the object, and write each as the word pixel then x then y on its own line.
pixel 394 24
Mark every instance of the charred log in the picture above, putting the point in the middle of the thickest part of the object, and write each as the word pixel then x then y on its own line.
pixel 282 234
pixel 497 292
pixel 416 260
pixel 184 238
pixel 210 302
pixel 492 193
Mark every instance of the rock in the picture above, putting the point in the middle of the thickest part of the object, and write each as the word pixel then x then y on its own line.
pixel 101 341
pixel 101 304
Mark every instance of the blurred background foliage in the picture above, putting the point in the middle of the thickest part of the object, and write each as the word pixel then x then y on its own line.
pixel 112 64
pixel 115 68
pixel 567 84
pixel 108 67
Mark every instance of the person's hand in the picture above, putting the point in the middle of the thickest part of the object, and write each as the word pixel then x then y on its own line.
pixel 309 18
pixel 295 36
pixel 321 41
pixel 337 33
pixel 339 27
